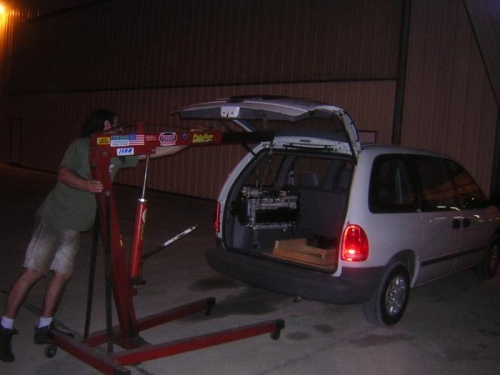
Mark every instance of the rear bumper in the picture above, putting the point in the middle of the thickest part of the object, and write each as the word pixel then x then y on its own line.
pixel 353 286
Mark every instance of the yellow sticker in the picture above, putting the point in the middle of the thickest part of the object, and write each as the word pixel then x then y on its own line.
pixel 101 141
pixel 203 138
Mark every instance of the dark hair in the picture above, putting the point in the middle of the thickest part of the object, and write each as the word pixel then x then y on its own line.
pixel 94 123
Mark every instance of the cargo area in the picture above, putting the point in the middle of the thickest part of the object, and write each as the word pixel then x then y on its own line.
pixel 290 206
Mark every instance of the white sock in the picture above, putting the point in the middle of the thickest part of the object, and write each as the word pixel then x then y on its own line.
pixel 44 322
pixel 7 323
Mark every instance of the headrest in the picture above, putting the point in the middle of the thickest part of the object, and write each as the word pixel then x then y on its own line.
pixel 309 179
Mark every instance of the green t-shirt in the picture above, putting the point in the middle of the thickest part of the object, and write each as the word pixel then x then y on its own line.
pixel 69 208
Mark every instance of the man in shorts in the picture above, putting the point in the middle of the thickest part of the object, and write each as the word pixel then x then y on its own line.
pixel 69 209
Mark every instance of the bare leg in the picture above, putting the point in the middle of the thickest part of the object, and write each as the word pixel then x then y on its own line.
pixel 54 293
pixel 19 291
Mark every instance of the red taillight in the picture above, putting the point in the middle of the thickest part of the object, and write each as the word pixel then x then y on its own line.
pixel 355 246
pixel 217 218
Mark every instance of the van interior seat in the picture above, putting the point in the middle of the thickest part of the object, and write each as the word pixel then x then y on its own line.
pixel 321 211
pixel 309 180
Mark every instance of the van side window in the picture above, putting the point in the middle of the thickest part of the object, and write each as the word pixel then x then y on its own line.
pixel 437 190
pixel 391 188
pixel 469 193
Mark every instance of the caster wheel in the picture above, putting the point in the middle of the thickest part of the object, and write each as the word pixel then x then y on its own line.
pixel 280 324
pixel 210 305
pixel 275 335
pixel 50 350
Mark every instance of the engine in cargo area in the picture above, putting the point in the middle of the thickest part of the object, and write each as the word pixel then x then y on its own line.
pixel 268 208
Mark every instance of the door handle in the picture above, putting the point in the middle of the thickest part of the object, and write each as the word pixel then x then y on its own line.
pixel 466 222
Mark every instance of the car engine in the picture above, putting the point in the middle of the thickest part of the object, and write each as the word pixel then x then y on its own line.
pixel 268 208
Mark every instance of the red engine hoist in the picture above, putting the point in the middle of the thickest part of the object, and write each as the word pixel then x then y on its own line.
pixel 123 280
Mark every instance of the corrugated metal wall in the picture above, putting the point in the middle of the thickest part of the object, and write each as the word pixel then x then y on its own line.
pixel 485 20
pixel 146 58
pixel 8 18
pixel 449 104
pixel 196 171
pixel 135 44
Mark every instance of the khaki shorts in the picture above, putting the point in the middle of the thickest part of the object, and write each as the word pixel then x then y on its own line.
pixel 52 249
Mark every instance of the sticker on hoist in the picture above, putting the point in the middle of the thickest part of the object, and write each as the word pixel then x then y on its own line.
pixel 127 140
pixel 203 138
pixel 167 139
pixel 125 151
pixel 136 139
pixel 103 141
pixel 119 141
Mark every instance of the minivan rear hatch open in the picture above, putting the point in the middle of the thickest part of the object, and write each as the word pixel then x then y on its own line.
pixel 282 115
pixel 285 201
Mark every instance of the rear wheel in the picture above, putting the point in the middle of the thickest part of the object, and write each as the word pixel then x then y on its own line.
pixel 489 265
pixel 389 300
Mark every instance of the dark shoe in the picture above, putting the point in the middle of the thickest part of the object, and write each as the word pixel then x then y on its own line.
pixel 5 344
pixel 41 334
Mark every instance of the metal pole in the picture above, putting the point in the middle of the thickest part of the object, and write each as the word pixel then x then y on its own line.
pixel 108 287
pixel 90 290
pixel 397 125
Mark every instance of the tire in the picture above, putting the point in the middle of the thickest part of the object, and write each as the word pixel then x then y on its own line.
pixel 389 300
pixel 488 267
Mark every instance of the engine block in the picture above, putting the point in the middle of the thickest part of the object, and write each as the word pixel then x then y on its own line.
pixel 270 208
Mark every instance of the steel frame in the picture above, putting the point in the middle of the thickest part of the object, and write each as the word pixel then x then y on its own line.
pixel 103 147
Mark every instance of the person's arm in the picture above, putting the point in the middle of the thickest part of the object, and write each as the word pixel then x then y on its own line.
pixel 69 177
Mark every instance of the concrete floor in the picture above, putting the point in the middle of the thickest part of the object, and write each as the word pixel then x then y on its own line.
pixel 451 326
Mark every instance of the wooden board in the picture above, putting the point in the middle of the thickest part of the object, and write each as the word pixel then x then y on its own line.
pixel 298 250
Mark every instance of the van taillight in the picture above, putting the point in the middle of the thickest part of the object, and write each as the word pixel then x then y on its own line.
pixel 217 218
pixel 355 246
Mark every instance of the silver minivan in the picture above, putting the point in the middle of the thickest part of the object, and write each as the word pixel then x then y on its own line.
pixel 312 212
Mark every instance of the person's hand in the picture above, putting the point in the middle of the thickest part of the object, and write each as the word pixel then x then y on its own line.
pixel 94 186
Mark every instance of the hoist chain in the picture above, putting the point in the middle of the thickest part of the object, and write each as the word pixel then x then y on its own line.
pixel 269 166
